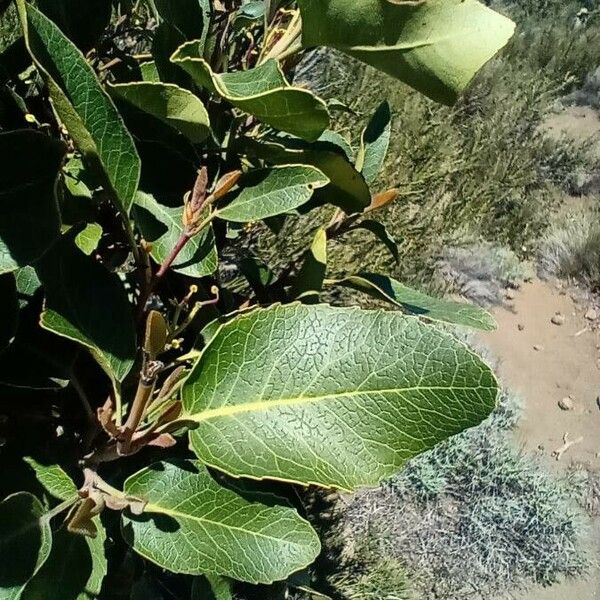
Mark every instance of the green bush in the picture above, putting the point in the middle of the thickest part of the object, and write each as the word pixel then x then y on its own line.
pixel 159 414
pixel 472 518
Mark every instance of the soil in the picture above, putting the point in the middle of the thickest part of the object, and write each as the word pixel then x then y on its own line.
pixel 546 363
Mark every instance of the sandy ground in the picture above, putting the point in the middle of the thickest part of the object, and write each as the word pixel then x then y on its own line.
pixel 545 363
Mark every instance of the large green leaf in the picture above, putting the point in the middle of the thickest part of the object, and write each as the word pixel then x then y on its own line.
pixel 87 304
pixel 436 46
pixel 193 525
pixel 262 92
pixel 54 480
pixel 418 303
pixel 25 542
pixel 170 103
pixel 162 227
pixel 83 106
pixel 74 570
pixel 29 219
pixel 332 396
pixel 270 192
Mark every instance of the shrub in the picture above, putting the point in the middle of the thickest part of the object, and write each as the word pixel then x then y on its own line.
pixel 474 517
pixel 159 412
pixel 571 247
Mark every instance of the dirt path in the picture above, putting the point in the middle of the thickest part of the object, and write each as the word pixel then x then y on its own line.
pixel 545 363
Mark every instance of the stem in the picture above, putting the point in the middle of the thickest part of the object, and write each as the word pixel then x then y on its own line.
pixel 167 264
pixel 60 508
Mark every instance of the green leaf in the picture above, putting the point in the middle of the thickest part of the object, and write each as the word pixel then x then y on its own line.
pixel 84 107
pixel 28 284
pixel 263 92
pixel 74 570
pixel 25 542
pixel 87 304
pixel 29 219
pixel 339 397
pixel 170 103
pixel 333 138
pixel 149 71
pixel 435 46
pixel 54 480
pixel 193 525
pixel 347 187
pixel 249 13
pixel 374 143
pixel 379 230
pixel 87 239
pixel 309 281
pixel 162 226
pixel 273 192
pixel 9 310
pixel 210 587
pixel 418 303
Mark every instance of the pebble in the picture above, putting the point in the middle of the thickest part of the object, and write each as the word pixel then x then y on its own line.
pixel 566 403
pixel 539 348
pixel 510 294
pixel 558 319
pixel 591 314
pixel 520 326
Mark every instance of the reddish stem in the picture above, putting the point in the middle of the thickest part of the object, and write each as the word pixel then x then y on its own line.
pixel 181 242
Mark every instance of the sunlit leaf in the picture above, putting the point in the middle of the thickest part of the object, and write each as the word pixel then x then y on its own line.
pixel 54 480
pixel 271 192
pixel 374 143
pixel 436 46
pixel 418 303
pixel 332 396
pixel 263 92
pixel 193 525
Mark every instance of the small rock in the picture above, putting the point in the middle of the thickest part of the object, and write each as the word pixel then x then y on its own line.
pixel 520 327
pixel 591 314
pixel 566 403
pixel 558 319
pixel 510 294
pixel 539 348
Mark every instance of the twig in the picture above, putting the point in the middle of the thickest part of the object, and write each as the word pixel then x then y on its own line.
pixel 566 445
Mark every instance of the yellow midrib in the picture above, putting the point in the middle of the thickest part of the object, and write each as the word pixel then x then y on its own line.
pixel 262 405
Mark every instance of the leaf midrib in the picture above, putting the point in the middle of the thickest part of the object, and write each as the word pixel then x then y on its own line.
pixel 263 405
pixel 156 508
